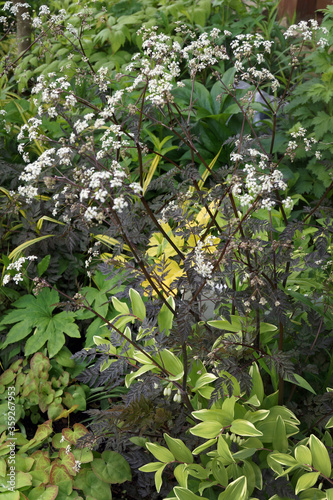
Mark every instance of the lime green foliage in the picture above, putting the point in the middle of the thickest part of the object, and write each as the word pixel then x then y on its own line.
pixel 244 441
pixel 33 318
pixel 61 465
pixel 36 391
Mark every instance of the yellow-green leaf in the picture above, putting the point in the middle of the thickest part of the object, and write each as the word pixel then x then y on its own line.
pixel 18 250
pixel 306 481
pixel 303 455
pixel 244 428
pixel 280 440
pixel 207 429
pixel 160 452
pixel 178 449
pixel 320 457
pixel 138 307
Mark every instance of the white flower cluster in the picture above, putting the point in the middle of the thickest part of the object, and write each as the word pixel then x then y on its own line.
pixel 300 133
pixel 17 267
pixel 245 46
pixel 257 183
pixel 202 266
pixel 202 53
pixel 308 30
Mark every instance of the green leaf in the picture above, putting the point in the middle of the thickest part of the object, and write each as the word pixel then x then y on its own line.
pixel 207 429
pixel 158 477
pixel 43 265
pixel 224 451
pixel 329 494
pixel 171 363
pixel 121 307
pixel 160 452
pixel 301 382
pixel 306 481
pixel 185 494
pixel 165 316
pixel 178 449
pixel 236 489
pixel 244 428
pixel 329 423
pixel 280 440
pixel 92 486
pixel 181 474
pixel 320 457
pixel 112 468
pixel 258 386
pixel 284 459
pixel 234 326
pixel 303 455
pixel 219 471
pixel 151 467
pixel 138 307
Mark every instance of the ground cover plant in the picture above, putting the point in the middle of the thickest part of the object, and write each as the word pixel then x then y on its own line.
pixel 156 248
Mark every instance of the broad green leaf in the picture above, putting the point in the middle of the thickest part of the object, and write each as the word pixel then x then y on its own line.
pixel 329 423
pixel 280 441
pixel 306 481
pixel 284 459
pixel 203 380
pixel 213 416
pixel 203 446
pixel 132 376
pixel 185 494
pixel 236 489
pixel 329 494
pixel 223 324
pixel 303 455
pixel 158 477
pixel 258 386
pixel 207 429
pixel 178 449
pixel 112 468
pixel 224 451
pixel 160 452
pixel 244 428
pixel 165 316
pixel 302 383
pixel 119 306
pixel 43 265
pixel 92 486
pixel 312 494
pixel 138 307
pixel 197 471
pixel 320 457
pixel 181 474
pixel 243 454
pixel 151 467
pixel 171 363
pixel 219 471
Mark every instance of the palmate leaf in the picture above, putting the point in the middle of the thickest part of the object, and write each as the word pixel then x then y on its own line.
pixel 35 314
